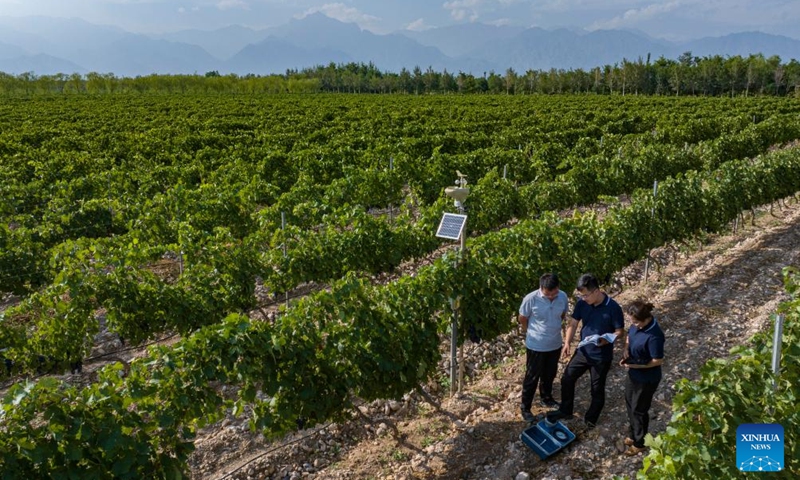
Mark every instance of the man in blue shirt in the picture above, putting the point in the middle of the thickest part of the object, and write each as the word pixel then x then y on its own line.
pixel 599 314
pixel 540 316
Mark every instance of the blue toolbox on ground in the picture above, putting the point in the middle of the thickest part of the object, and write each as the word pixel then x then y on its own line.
pixel 546 438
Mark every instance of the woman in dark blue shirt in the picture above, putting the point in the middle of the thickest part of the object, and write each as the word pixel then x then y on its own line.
pixel 642 356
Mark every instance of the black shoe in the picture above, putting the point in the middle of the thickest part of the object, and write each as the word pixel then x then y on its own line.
pixel 527 415
pixel 550 402
pixel 557 415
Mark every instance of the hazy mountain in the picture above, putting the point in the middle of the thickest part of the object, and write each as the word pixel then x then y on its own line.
pixel 60 37
pixel 274 55
pixel 140 55
pixel 41 64
pixel 222 43
pixel 11 51
pixel 388 52
pixel 98 48
pixel 460 40
pixel 45 45
pixel 745 44
pixel 540 49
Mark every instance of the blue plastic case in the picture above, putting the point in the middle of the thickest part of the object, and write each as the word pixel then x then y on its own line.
pixel 547 438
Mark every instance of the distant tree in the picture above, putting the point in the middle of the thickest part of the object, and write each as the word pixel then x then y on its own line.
pixel 418 80
pixel 773 75
pixel 481 84
pixel 466 83
pixel 406 83
pixel 432 80
pixel 448 83
pixel 792 74
pixel 511 80
pixel 495 83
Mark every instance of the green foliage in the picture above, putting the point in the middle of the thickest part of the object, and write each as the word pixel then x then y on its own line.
pixel 700 441
pixel 194 205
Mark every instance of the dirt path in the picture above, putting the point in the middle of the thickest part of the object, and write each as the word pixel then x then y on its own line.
pixel 707 301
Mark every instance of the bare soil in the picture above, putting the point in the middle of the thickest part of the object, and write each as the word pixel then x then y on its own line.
pixel 710 295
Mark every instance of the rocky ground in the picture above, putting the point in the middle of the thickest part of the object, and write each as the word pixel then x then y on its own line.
pixel 710 295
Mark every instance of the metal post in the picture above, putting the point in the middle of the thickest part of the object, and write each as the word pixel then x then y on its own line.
pixel 283 227
pixel 776 350
pixel 458 306
pixel 459 194
pixel 652 216
pixel 453 343
pixel 180 254
pixel 110 210
pixel 505 171
pixel 461 368
pixel 391 207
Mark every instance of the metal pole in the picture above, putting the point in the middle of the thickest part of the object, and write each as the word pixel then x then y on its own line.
pixel 108 194
pixel 456 364
pixel 391 207
pixel 652 216
pixel 453 343
pixel 461 350
pixel 461 368
pixel 776 350
pixel 180 254
pixel 505 171
pixel 283 227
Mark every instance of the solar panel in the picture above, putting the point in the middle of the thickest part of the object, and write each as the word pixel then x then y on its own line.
pixel 451 226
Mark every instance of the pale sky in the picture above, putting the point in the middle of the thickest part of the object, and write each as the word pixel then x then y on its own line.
pixel 669 19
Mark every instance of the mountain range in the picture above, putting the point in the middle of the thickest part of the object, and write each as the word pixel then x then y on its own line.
pixel 45 45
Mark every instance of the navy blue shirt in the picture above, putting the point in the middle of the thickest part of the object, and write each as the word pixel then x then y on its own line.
pixel 643 346
pixel 598 320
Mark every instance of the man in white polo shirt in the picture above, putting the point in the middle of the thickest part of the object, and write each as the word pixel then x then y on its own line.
pixel 540 316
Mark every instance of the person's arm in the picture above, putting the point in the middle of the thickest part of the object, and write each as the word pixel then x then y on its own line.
pixel 656 349
pixel 652 363
pixel 618 320
pixel 523 322
pixel 571 327
pixel 625 351
pixel 621 337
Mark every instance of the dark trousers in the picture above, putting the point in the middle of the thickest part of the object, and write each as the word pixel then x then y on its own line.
pixel 638 398
pixel 540 370
pixel 599 371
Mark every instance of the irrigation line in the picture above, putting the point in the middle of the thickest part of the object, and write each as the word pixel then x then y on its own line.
pixel 131 348
pixel 263 454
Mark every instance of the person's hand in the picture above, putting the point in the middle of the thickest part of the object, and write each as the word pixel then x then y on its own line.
pixel 623 360
pixel 565 351
pixel 602 342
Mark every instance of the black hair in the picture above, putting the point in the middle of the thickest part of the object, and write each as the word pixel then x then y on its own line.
pixel 640 310
pixel 587 281
pixel 549 281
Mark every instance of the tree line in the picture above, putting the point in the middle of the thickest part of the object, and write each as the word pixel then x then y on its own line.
pixel 687 75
